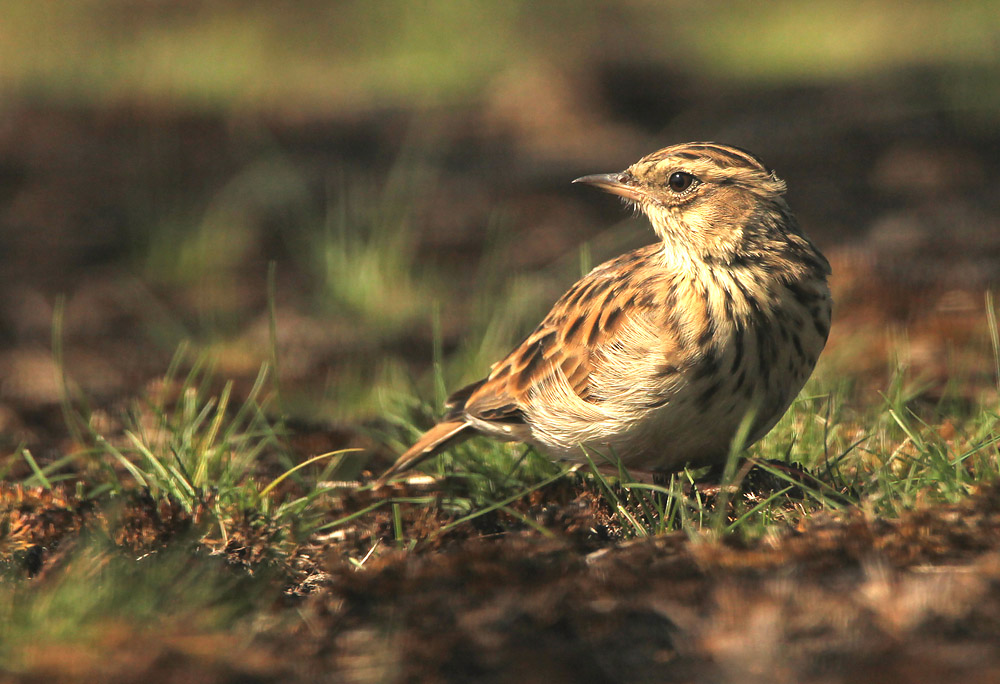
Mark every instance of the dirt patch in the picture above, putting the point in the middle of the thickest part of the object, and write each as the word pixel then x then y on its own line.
pixel 846 597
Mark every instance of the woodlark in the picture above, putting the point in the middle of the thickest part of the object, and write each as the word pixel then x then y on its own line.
pixel 658 356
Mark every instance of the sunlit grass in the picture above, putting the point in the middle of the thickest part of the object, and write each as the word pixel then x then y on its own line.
pixel 841 39
pixel 190 443
pixel 313 56
pixel 103 599
pixel 885 454
pixel 365 253
pixel 193 446
pixel 349 55
pixel 885 460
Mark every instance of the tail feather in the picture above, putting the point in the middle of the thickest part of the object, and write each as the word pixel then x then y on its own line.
pixel 430 443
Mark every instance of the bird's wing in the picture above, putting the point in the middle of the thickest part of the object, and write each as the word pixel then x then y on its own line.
pixel 581 325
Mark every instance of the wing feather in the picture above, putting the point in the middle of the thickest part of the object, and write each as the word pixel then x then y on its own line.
pixel 585 321
pixel 590 320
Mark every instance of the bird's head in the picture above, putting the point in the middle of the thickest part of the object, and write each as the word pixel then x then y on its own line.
pixel 713 202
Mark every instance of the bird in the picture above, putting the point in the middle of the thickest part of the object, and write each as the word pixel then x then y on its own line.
pixel 659 356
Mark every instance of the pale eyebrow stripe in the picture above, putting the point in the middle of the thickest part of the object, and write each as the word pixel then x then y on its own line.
pixel 723 154
pixel 732 154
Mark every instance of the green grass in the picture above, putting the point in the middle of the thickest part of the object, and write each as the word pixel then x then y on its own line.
pixel 199 511
pixel 887 453
pixel 886 461
pixel 365 254
pixel 322 57
pixel 102 597
pixel 191 444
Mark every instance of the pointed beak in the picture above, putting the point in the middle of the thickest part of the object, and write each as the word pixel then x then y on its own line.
pixel 615 183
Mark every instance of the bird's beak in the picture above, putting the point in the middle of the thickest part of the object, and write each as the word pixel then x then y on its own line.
pixel 615 183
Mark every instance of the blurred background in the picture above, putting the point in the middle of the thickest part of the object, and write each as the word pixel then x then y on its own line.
pixel 406 168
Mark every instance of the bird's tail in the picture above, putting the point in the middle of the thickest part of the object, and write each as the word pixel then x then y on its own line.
pixel 430 443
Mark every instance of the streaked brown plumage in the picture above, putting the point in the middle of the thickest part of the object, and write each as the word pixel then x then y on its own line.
pixel 657 356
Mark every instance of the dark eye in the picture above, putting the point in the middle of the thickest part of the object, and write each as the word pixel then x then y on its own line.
pixel 680 181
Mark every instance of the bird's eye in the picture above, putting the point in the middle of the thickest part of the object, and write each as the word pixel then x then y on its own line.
pixel 680 181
